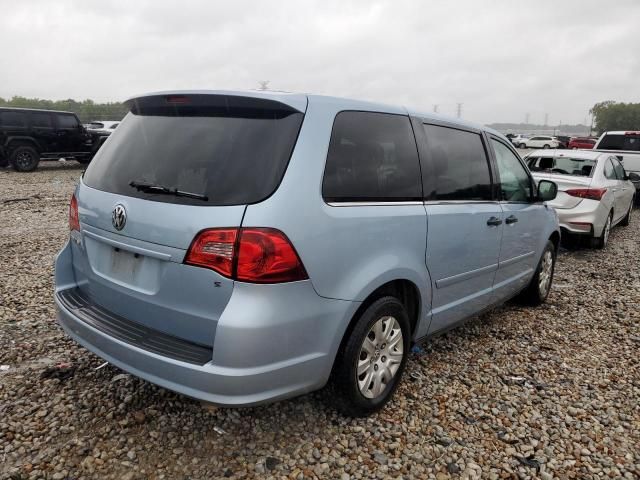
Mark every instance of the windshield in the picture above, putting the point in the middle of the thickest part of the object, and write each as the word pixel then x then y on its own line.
pixel 620 142
pixel 231 156
pixel 564 165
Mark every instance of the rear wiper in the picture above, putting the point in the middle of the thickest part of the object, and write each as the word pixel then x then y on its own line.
pixel 152 188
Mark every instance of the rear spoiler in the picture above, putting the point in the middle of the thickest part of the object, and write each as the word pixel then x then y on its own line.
pixel 217 101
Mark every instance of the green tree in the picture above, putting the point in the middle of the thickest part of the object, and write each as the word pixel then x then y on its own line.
pixel 610 115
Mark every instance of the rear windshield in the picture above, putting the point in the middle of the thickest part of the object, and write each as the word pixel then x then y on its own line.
pixel 620 142
pixel 564 165
pixel 231 150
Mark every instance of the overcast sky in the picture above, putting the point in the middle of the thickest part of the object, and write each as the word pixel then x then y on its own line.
pixel 500 59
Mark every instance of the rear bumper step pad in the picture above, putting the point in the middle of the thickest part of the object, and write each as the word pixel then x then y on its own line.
pixel 131 332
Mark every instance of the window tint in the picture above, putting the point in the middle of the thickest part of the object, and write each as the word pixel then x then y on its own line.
pixel 42 120
pixel 515 183
pixel 620 142
pixel 13 119
pixel 459 164
pixel 609 171
pixel 67 121
pixel 233 150
pixel 372 157
pixel 619 169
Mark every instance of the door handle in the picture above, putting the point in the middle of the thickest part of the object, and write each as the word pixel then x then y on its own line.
pixel 511 219
pixel 494 222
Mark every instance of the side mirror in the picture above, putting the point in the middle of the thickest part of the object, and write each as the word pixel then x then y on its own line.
pixel 634 177
pixel 547 190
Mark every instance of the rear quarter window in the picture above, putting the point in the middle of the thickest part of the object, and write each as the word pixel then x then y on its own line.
pixel 371 157
pixel 13 119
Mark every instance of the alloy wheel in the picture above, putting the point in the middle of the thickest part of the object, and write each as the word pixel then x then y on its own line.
pixel 24 159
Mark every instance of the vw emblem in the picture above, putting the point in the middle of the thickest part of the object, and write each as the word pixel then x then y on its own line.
pixel 119 217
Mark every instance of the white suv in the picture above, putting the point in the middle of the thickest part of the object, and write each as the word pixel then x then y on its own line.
pixel 538 141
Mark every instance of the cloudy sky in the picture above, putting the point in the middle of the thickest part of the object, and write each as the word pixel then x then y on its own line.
pixel 500 59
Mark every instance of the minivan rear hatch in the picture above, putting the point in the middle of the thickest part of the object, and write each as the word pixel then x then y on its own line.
pixel 178 163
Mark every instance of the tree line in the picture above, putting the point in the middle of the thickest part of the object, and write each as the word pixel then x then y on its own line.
pixel 610 115
pixel 87 110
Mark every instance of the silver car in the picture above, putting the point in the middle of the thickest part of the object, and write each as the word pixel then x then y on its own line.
pixel 594 191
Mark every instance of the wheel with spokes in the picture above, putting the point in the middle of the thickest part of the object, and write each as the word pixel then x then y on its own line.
pixel 538 289
pixel 25 158
pixel 372 359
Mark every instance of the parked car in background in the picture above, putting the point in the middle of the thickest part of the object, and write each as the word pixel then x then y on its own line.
pixel 105 127
pixel 594 191
pixel 28 136
pixel 583 143
pixel 518 139
pixel 274 241
pixel 538 141
pixel 625 145
pixel 563 141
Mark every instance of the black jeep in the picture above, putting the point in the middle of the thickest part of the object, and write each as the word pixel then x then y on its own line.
pixel 28 136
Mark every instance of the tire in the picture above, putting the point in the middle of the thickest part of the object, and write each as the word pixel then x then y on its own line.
pixel 627 218
pixel 546 146
pixel 601 242
pixel 538 289
pixel 24 158
pixel 522 146
pixel 354 397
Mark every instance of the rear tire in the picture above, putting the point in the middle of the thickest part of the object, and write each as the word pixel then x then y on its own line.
pixel 601 242
pixel 369 365
pixel 538 290
pixel 24 158
pixel 546 146
pixel 627 218
pixel 522 146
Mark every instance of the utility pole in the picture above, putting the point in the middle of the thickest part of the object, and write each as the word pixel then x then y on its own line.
pixel 435 108
pixel 526 118
pixel 264 84
pixel 546 119
pixel 459 109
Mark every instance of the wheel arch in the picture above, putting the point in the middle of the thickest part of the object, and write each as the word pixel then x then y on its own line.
pixel 14 142
pixel 404 290
pixel 555 239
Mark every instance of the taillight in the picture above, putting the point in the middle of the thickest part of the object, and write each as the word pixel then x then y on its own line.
pixel 265 255
pixel 214 249
pixel 256 255
pixel 590 193
pixel 74 220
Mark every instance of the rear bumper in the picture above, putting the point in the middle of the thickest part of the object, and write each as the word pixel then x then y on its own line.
pixel 272 342
pixel 587 218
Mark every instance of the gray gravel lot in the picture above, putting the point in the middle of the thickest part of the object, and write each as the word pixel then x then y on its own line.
pixel 551 392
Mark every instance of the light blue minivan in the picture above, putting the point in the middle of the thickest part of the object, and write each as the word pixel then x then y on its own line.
pixel 245 247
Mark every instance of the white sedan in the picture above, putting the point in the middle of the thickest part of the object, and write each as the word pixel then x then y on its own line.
pixel 594 191
pixel 538 141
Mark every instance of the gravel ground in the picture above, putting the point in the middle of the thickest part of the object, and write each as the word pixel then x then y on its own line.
pixel 544 393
